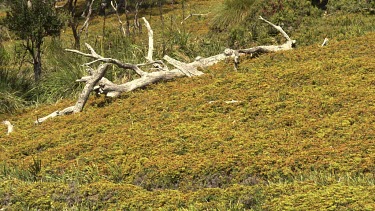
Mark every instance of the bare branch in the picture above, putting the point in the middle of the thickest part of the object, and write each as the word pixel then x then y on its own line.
pixel 64 112
pixel 99 58
pixel 79 52
pixel 289 44
pixel 159 65
pixel 114 6
pixel 278 28
pixel 93 52
pixel 188 69
pixel 191 68
pixel 96 81
pixel 85 25
pixel 107 87
pixel 91 81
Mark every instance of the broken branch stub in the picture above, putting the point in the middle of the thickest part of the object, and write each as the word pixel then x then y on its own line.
pixel 9 126
pixel 150 40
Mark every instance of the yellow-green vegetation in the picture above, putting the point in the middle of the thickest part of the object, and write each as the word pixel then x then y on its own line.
pixel 300 137
pixel 291 130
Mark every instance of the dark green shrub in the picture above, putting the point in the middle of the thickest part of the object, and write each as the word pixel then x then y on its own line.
pixel 32 21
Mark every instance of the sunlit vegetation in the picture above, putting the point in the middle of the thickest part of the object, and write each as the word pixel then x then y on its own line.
pixel 297 133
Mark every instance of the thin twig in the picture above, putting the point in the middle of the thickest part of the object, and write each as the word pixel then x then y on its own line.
pixel 114 6
pixel 85 25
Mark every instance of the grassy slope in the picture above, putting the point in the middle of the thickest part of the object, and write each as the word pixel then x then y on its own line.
pixel 301 138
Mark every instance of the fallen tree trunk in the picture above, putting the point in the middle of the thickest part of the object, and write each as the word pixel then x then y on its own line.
pixel 96 81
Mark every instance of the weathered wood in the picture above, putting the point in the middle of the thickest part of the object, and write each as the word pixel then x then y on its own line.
pixel 9 125
pixel 107 87
pixel 99 58
pixel 325 42
pixel 91 81
pixel 150 40
pixel 189 70
pixel 97 82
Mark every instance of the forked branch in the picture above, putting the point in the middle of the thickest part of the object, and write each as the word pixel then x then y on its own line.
pixel 85 25
pixel 99 58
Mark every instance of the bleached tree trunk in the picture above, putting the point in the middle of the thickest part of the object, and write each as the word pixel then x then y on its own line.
pixel 96 81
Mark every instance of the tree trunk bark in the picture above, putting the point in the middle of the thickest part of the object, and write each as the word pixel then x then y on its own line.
pixel 76 35
pixel 127 18
pixel 73 23
pixel 37 60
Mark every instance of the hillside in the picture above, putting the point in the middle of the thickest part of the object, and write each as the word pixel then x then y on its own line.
pixel 301 137
pixel 290 130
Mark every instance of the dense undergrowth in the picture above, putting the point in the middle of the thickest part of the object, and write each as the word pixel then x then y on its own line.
pixel 300 138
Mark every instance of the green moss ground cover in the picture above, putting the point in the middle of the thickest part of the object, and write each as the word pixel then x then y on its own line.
pixel 301 137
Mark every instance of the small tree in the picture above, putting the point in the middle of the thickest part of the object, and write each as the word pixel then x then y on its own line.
pixel 32 21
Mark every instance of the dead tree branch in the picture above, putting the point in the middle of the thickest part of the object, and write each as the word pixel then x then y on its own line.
pixel 99 58
pixel 96 81
pixel 150 41
pixel 325 42
pixel 83 97
pixel 85 25
pixel 278 28
pixel 191 15
pixel 122 29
